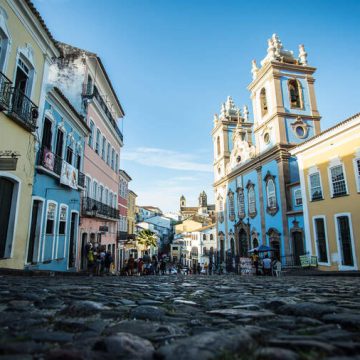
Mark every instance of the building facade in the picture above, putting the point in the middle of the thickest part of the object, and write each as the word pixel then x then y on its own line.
pixel 257 186
pixel 81 76
pixel 26 52
pixel 329 166
pixel 131 215
pixel 58 182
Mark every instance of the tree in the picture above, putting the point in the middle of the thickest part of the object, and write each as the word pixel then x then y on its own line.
pixel 147 238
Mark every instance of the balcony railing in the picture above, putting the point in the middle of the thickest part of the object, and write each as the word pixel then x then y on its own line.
pixel 94 208
pixel 95 93
pixel 122 235
pixel 49 160
pixel 5 86
pixel 22 109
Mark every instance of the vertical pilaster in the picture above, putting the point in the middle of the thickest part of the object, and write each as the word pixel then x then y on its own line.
pixel 261 198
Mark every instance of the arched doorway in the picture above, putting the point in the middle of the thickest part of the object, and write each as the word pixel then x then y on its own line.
pixel 243 243
pixel 232 246
pixel 298 246
pixel 274 241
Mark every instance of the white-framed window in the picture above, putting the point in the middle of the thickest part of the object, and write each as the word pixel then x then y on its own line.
pixel 251 200
pixel 62 219
pixel 338 182
pixel 103 148
pixel 315 186
pixel 115 201
pixel 112 158
pixel 97 142
pixel 241 203
pixel 320 235
pixel 263 102
pixel 298 197
pixel 204 237
pixel 94 191
pixel 91 134
pixel 357 173
pixel 116 162
pixel 231 206
pixel 4 39
pixel 87 186
pixel 271 194
pixel 50 218
pixel 345 241
pixel 106 197
pixel 108 154
pixel 100 194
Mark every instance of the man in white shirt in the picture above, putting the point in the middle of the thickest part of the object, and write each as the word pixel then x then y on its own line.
pixel 267 265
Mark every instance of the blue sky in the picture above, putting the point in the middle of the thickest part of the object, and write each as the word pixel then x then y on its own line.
pixel 172 63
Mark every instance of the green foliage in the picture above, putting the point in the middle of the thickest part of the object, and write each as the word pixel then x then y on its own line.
pixel 146 238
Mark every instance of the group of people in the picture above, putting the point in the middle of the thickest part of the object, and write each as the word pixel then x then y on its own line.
pixel 143 266
pixel 99 261
pixel 266 266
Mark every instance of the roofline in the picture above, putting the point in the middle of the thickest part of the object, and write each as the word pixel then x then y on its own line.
pixel 132 192
pixel 125 174
pixel 205 227
pixel 301 147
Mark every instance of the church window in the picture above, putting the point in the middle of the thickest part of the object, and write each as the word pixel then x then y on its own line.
pixel 315 186
pixel 218 145
pixel 271 203
pixel 251 200
pixel 294 93
pixel 263 102
pixel 241 203
pixel 338 181
pixel 231 206
pixel 298 198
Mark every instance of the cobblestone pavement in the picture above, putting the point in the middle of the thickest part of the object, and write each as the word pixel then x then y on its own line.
pixel 177 317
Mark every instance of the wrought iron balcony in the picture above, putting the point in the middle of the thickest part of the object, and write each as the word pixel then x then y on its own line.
pixel 122 235
pixel 94 208
pixel 90 93
pixel 5 86
pixel 50 161
pixel 22 109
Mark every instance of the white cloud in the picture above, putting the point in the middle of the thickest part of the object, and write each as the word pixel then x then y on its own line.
pixel 167 159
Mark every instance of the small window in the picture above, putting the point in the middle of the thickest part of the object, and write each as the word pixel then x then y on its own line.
pixel 263 102
pixel 294 93
pixel 116 162
pixel 78 162
pixel 50 219
pixel 89 85
pixel 87 187
pixel 204 237
pixel 101 191
pixel 211 237
pixel 241 203
pixel 218 145
pixel 231 206
pixel 298 198
pixel 108 154
pixel 252 201
pixel 266 138
pixel 112 158
pixel 62 220
pixel 315 187
pixel 94 193
pixel 59 143
pixel 338 181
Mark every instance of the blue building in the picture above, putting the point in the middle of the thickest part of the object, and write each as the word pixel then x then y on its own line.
pixel 58 182
pixel 257 188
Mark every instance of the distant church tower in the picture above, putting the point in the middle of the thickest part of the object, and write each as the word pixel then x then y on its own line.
pixel 182 201
pixel 203 199
pixel 283 98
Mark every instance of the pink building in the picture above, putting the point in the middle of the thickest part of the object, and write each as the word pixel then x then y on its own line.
pixel 83 78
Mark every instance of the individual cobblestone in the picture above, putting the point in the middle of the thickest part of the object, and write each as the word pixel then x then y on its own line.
pixel 179 317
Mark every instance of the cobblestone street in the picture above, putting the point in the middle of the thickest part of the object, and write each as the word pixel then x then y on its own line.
pixel 177 317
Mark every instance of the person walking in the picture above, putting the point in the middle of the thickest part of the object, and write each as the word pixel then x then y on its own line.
pixel 108 261
pixel 198 268
pixel 162 266
pixel 255 261
pixel 267 265
pixel 131 263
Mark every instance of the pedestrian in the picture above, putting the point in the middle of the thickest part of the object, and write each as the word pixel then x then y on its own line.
pixel 154 265
pixel 255 261
pixel 206 268
pixel 194 268
pixel 140 265
pixel 267 265
pixel 198 268
pixel 108 261
pixel 147 263
pixel 90 261
pixel 131 263
pixel 163 267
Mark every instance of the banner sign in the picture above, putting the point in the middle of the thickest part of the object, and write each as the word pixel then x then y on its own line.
pixel 304 261
pixel 48 159
pixel 69 175
pixel 313 261
pixel 246 267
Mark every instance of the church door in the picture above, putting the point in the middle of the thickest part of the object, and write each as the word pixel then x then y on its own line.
pixel 243 243
pixel 298 246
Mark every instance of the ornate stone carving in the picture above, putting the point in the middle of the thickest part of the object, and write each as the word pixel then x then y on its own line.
pixel 302 55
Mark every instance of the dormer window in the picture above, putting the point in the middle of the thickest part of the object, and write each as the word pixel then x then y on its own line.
pixel 295 94
pixel 263 102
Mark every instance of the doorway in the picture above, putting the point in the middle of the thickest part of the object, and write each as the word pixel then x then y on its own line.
pixel 298 246
pixel 35 228
pixel 73 240
pixel 83 251
pixel 243 243
pixel 6 223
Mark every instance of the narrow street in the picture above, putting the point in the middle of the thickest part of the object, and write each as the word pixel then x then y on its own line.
pixel 179 317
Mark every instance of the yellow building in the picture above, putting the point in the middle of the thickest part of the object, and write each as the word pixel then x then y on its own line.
pixel 329 166
pixel 26 50
pixel 131 212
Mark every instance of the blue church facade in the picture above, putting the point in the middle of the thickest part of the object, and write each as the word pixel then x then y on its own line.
pixel 257 185
pixel 58 182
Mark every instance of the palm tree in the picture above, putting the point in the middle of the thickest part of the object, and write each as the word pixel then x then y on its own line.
pixel 147 238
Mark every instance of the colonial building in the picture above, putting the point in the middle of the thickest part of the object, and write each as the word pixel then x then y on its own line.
pixel 145 212
pixel 81 76
pixel 58 183
pixel 26 52
pixel 131 216
pixel 203 207
pixel 329 166
pixel 257 188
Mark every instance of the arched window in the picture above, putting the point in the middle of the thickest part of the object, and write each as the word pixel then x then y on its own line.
pixel 271 197
pixel 241 203
pixel 218 145
pixel 204 237
pixel 231 206
pixel 211 237
pixel 295 93
pixel 255 243
pixel 263 102
pixel 251 199
pixel 232 246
